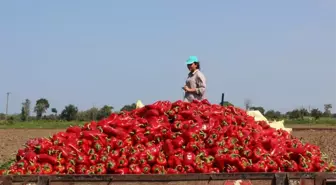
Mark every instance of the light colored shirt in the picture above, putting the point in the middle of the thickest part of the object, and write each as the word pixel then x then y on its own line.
pixel 196 80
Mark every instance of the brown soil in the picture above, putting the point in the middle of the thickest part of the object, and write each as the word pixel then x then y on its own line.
pixel 13 139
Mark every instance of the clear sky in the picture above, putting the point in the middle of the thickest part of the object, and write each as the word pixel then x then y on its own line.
pixel 279 54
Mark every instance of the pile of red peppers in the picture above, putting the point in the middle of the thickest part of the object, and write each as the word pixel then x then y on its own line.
pixel 170 138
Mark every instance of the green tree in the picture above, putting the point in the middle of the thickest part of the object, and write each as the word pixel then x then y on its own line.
pixel 54 110
pixel 92 114
pixel 2 116
pixel 271 114
pixel 327 111
pixel 25 110
pixel 226 103
pixel 104 112
pixel 294 114
pixel 23 115
pixel 316 113
pixel 69 113
pixel 82 116
pixel 128 107
pixel 303 112
pixel 260 109
pixel 41 107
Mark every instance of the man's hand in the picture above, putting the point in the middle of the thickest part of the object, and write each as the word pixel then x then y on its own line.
pixel 187 89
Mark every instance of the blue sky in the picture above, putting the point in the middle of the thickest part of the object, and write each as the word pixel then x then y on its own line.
pixel 279 54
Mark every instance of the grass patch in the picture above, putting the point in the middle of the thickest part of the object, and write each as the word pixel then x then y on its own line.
pixel 321 121
pixel 42 124
pixel 6 165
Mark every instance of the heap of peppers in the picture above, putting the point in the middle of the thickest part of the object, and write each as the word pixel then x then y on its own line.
pixel 170 138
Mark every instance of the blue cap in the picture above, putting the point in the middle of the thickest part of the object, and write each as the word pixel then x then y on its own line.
pixel 192 59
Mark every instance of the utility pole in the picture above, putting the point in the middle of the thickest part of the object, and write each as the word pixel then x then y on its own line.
pixel 7 105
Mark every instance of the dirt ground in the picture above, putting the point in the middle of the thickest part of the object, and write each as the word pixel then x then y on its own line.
pixel 13 139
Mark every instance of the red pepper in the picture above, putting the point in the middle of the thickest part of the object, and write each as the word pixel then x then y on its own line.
pixel 135 169
pixel 115 154
pixel 247 152
pixel 214 170
pixel 32 167
pixel 81 169
pixel 70 169
pixel 45 158
pixel 82 159
pixel 111 165
pixel 140 147
pixel 209 161
pixel 179 153
pixel 151 159
pixel 257 154
pixel 260 166
pixel 22 164
pixel 133 159
pixel 244 164
pixel 232 158
pixel 140 138
pixel 43 146
pixel 174 161
pixel 93 135
pixel 72 145
pixel 192 146
pixel 231 142
pixel 210 142
pixel 85 148
pixel 305 166
pixel 188 158
pixel 20 154
pixel 122 171
pixel 189 169
pixel 161 160
pixel 232 169
pixel 168 147
pixel 152 113
pixel 104 158
pixel 74 129
pixel 100 169
pixel 93 159
pixel 122 162
pixel 203 152
pixel 220 160
pixel 65 152
pixel 158 169
pixel 98 146
pixel 172 171
pixel 91 126
pixel 201 167
pixel 47 168
pixel 145 168
pixel 319 164
pixel 187 114
pixel 60 169
pixel 177 126
pixel 272 165
pixel 190 135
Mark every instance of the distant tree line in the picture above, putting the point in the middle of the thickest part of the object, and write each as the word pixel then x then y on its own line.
pixel 69 113
pixel 296 114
